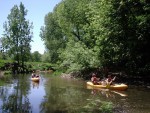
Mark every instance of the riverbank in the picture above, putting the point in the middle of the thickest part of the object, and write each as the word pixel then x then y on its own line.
pixel 120 78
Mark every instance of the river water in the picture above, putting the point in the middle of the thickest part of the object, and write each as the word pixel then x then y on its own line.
pixel 61 95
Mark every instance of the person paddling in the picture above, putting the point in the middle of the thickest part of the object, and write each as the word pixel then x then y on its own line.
pixel 110 80
pixel 95 80
pixel 33 74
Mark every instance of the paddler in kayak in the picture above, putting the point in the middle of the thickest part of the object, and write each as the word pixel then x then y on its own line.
pixel 110 80
pixel 33 74
pixel 95 80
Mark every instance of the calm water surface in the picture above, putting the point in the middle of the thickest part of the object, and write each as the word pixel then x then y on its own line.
pixel 59 95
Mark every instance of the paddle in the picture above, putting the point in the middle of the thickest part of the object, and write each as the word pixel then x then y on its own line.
pixel 121 94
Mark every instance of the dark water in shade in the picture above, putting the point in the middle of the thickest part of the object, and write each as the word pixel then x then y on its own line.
pixel 59 95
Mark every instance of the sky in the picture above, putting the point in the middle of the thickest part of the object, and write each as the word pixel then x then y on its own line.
pixel 37 9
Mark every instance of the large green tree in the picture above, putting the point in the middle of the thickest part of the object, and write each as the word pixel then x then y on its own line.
pixel 111 33
pixel 18 34
pixel 53 37
pixel 127 43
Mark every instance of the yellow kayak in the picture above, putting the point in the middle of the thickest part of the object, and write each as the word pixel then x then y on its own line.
pixel 120 87
pixel 35 79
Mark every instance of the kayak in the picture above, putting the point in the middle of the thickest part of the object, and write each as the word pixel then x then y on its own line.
pixel 107 91
pixel 35 79
pixel 120 87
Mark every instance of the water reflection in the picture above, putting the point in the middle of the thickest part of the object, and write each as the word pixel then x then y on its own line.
pixel 36 95
pixel 106 92
pixel 14 97
pixel 62 96
pixel 59 95
pixel 35 84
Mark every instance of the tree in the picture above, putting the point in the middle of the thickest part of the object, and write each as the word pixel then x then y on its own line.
pixel 18 34
pixel 111 33
pixel 53 37
pixel 36 56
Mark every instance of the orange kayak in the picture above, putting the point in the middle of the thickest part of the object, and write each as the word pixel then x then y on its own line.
pixel 120 87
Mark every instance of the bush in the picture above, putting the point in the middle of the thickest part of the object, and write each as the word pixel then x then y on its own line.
pixel 40 66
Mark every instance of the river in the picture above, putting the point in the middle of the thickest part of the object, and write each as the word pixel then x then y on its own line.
pixel 60 95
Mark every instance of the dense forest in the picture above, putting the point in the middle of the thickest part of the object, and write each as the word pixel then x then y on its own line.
pixel 85 36
pixel 82 35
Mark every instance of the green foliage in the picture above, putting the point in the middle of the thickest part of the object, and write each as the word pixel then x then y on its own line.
pixel 7 72
pixel 52 35
pixel 45 57
pixel 5 76
pixel 3 62
pixel 17 35
pixel 126 40
pixel 77 57
pixel 36 56
pixel 40 66
pixel 98 33
pixel 57 73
